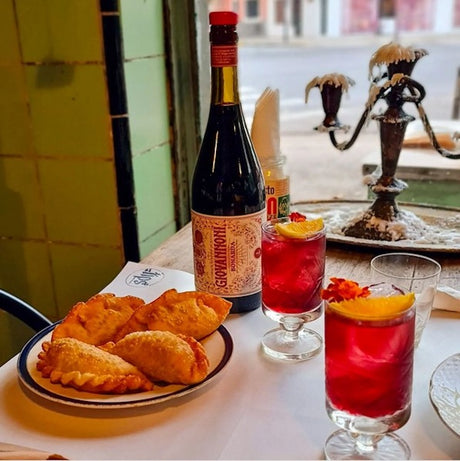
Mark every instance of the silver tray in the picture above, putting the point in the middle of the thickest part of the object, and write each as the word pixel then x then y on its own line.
pixel 447 219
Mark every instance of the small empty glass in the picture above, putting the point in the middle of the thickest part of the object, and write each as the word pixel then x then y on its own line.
pixel 411 272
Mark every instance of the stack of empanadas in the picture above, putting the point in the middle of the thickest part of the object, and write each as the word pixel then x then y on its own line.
pixel 97 320
pixel 191 313
pixel 113 344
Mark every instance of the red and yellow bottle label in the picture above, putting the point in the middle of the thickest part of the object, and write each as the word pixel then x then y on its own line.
pixel 224 55
pixel 227 253
pixel 277 198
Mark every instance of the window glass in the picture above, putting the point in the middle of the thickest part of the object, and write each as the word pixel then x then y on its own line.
pixel 252 8
pixel 279 11
pixel 294 41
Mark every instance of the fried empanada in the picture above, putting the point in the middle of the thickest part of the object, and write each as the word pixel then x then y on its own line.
pixel 164 356
pixel 97 320
pixel 85 367
pixel 191 313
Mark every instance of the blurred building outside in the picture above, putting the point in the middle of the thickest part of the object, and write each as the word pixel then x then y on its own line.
pixel 302 19
pixel 302 37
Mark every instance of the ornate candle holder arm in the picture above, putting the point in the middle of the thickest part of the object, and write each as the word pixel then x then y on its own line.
pixel 429 131
pixel 417 95
pixel 344 145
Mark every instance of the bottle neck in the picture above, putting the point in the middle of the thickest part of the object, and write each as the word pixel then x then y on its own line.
pixel 224 64
pixel 224 85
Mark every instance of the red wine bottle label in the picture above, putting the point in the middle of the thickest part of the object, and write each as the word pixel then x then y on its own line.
pixel 224 55
pixel 227 253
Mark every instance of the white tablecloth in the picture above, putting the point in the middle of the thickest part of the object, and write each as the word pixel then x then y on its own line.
pixel 256 409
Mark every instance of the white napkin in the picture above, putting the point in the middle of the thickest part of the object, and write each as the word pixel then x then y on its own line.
pixel 265 129
pixel 447 299
pixel 9 451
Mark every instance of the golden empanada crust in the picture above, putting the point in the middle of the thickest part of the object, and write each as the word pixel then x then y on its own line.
pixel 164 356
pixel 191 313
pixel 97 320
pixel 85 367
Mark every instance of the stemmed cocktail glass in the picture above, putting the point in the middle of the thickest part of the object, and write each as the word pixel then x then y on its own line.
pixel 369 346
pixel 293 260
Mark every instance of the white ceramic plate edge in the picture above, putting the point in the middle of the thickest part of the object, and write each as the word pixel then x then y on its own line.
pixel 219 346
pixel 445 392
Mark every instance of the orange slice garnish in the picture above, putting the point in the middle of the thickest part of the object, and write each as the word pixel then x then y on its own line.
pixel 374 308
pixel 301 229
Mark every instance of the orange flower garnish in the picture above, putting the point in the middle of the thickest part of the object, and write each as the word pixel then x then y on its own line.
pixel 297 217
pixel 340 289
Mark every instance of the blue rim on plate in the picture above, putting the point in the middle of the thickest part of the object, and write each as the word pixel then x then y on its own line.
pixel 218 345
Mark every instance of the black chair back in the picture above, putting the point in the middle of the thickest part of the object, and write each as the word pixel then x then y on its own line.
pixel 23 311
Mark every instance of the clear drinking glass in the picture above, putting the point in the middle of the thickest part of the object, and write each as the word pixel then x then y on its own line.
pixel 292 279
pixel 369 363
pixel 411 272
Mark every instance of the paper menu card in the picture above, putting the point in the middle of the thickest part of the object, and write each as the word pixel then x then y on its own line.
pixel 148 282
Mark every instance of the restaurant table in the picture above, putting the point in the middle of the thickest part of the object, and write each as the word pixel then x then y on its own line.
pixel 255 408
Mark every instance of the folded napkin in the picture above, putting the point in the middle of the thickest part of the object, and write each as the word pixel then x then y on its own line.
pixel 9 451
pixel 265 129
pixel 447 299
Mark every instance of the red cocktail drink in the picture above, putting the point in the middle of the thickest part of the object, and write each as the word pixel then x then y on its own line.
pixel 292 271
pixel 369 363
pixel 369 338
pixel 293 260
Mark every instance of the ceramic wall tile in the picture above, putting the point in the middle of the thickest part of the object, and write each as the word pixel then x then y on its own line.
pixel 10 53
pixel 152 242
pixel 26 272
pixel 142 23
pixel 69 110
pixel 22 213
pixel 80 201
pixel 60 31
pixel 64 159
pixel 147 103
pixel 81 272
pixel 15 129
pixel 154 191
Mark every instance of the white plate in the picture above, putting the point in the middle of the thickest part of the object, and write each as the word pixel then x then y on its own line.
pixel 147 282
pixel 219 348
pixel 445 392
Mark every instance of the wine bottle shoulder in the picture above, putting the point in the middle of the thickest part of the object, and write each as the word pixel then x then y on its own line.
pixel 228 179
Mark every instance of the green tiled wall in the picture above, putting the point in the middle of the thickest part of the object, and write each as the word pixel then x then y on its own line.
pixel 148 110
pixel 60 231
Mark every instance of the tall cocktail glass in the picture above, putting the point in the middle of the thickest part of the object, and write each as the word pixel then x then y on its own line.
pixel 292 278
pixel 369 361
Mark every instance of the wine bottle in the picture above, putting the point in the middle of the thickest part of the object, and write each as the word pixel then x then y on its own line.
pixel 228 196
